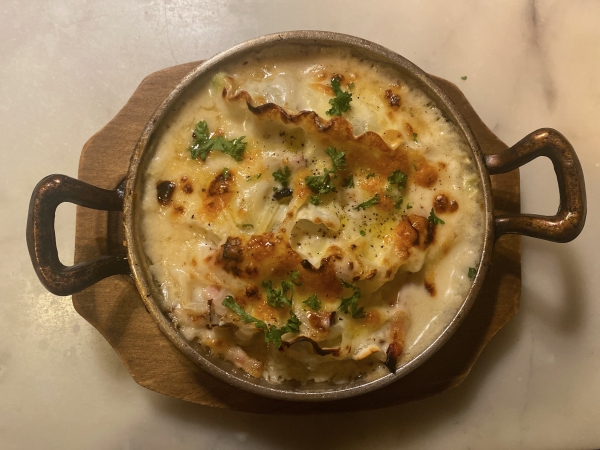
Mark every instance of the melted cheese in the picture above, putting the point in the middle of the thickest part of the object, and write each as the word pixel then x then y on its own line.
pixel 217 236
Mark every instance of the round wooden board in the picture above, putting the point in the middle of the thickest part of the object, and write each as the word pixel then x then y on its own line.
pixel 114 307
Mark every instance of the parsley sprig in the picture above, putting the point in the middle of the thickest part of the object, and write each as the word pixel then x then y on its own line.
pixel 323 184
pixel 348 182
pixel 283 175
pixel 279 298
pixel 313 302
pixel 204 143
pixel 341 102
pixel 337 158
pixel 369 203
pixel 398 178
pixel 433 219
pixel 272 333
pixel 349 305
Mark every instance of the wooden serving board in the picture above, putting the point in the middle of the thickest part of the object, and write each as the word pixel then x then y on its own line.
pixel 114 307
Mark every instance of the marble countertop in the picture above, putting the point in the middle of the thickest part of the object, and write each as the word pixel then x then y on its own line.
pixel 67 67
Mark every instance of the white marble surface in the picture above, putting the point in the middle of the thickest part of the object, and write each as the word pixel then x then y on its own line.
pixel 67 67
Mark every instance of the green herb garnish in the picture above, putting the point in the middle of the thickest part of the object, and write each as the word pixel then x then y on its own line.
pixel 272 333
pixel 320 184
pixel 313 302
pixel 294 278
pixel 398 203
pixel 253 177
pixel 230 303
pixel 398 178
pixel 463 77
pixel 341 102
pixel 204 144
pixel 348 182
pixel 408 206
pixel 371 175
pixel 278 298
pixel 472 272
pixel 315 200
pixel 363 232
pixel 349 305
pixel 247 225
pixel 434 219
pixel 283 176
pixel 225 173
pixel 415 135
pixel 338 158
pixel 371 202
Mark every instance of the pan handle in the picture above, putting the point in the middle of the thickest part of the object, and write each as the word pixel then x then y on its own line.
pixel 41 239
pixel 570 218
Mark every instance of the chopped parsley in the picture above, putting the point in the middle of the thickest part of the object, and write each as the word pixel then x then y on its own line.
pixel 415 135
pixel 371 175
pixel 283 176
pixel 278 298
pixel 434 219
pixel 230 303
pixel 294 278
pixel 472 272
pixel 337 158
pixel 369 203
pixel 321 184
pixel 363 232
pixel 463 77
pixel 313 302
pixel 272 333
pixel 349 304
pixel 341 102
pixel 415 167
pixel 398 203
pixel 225 173
pixel 247 225
pixel 408 206
pixel 204 143
pixel 398 178
pixel 348 182
pixel 253 177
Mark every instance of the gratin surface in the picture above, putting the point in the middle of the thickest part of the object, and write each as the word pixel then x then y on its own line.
pixel 220 235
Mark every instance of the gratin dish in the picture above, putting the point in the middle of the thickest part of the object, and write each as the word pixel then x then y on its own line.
pixel 53 190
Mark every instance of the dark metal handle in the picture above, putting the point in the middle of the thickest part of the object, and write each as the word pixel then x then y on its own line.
pixel 41 239
pixel 570 218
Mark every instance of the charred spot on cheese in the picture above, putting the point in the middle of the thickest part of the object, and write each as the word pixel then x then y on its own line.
pixel 425 230
pixel 220 185
pixel 164 192
pixel 282 193
pixel 442 204
pixel 392 98
pixel 244 229
pixel 430 287
pixel 321 320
